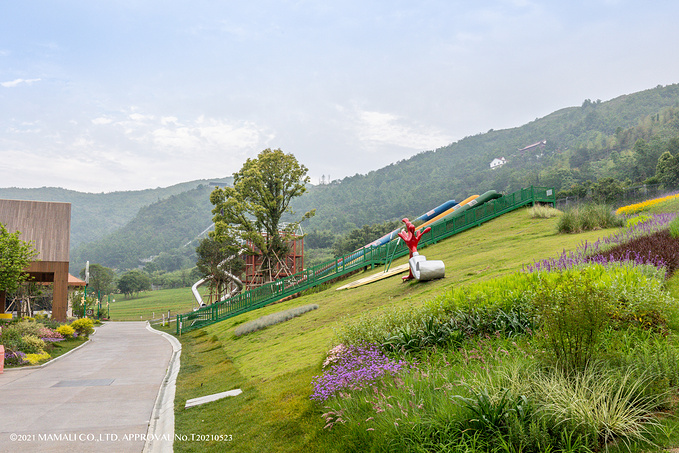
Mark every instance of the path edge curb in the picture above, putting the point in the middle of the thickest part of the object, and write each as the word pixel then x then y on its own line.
pixel 160 434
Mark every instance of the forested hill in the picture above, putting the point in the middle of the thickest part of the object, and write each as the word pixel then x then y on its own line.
pixel 94 215
pixel 163 231
pixel 582 144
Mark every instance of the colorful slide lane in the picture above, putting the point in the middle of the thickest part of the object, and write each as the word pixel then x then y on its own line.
pixel 441 209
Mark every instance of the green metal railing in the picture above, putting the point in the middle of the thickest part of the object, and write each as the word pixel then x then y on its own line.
pixel 368 256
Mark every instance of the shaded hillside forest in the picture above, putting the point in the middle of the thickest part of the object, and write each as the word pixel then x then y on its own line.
pixel 596 150
pixel 162 237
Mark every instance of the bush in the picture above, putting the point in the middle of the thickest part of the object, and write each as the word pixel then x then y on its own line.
pixel 587 218
pixel 574 312
pixel 83 327
pixel 30 344
pixel 15 357
pixel 10 338
pixel 66 330
pixel 27 327
pixel 36 358
pixel 47 334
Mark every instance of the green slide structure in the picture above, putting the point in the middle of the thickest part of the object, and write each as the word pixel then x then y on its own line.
pixel 486 207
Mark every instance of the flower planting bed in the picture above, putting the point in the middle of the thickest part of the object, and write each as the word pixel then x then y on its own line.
pixel 575 353
pixel 31 342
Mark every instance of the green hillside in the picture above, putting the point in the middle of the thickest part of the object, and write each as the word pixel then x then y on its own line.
pixel 274 367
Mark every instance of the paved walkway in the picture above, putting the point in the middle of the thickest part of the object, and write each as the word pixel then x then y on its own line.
pixel 98 398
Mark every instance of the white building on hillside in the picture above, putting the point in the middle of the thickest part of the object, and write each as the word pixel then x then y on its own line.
pixel 497 162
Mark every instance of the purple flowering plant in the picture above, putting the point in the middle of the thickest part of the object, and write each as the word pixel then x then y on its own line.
pixel 616 248
pixel 15 358
pixel 353 367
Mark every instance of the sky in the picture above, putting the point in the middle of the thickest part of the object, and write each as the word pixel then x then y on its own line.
pixel 102 96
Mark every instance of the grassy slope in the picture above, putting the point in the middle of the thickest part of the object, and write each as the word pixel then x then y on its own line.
pixel 274 366
pixel 143 306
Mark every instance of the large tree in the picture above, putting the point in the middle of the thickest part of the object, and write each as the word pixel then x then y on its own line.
pixel 251 211
pixel 134 281
pixel 667 170
pixel 101 279
pixel 15 256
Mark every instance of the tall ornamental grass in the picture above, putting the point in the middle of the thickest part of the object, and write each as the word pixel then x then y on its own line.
pixel 587 218
pixel 498 401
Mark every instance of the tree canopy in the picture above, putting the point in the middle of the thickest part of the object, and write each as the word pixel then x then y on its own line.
pixel 251 211
pixel 15 256
pixel 134 281
pixel 101 278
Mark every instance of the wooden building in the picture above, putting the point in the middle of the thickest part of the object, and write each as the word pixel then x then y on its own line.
pixel 48 226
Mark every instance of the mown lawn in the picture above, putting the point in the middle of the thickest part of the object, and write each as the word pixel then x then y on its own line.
pixel 151 304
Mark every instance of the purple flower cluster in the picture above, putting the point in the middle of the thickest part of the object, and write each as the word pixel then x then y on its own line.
pixel 591 252
pixel 15 358
pixel 353 367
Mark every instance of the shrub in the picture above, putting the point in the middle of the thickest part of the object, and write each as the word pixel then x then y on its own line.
pixel 270 320
pixel 27 327
pixel 11 337
pixel 47 334
pixel 30 344
pixel 15 358
pixel 574 311
pixel 66 330
pixel 83 327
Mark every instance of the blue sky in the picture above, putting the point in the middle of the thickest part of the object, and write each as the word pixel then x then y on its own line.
pixel 124 95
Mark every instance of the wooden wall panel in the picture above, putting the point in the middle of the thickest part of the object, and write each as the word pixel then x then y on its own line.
pixel 47 224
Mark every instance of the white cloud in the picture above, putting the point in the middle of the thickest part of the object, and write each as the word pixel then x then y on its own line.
pixel 17 82
pixel 389 129
pixel 101 121
pixel 140 117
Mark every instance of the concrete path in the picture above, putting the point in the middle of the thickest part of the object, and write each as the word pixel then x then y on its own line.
pixel 99 398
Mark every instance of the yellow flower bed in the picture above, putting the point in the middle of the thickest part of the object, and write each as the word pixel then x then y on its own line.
pixel 37 358
pixel 638 207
